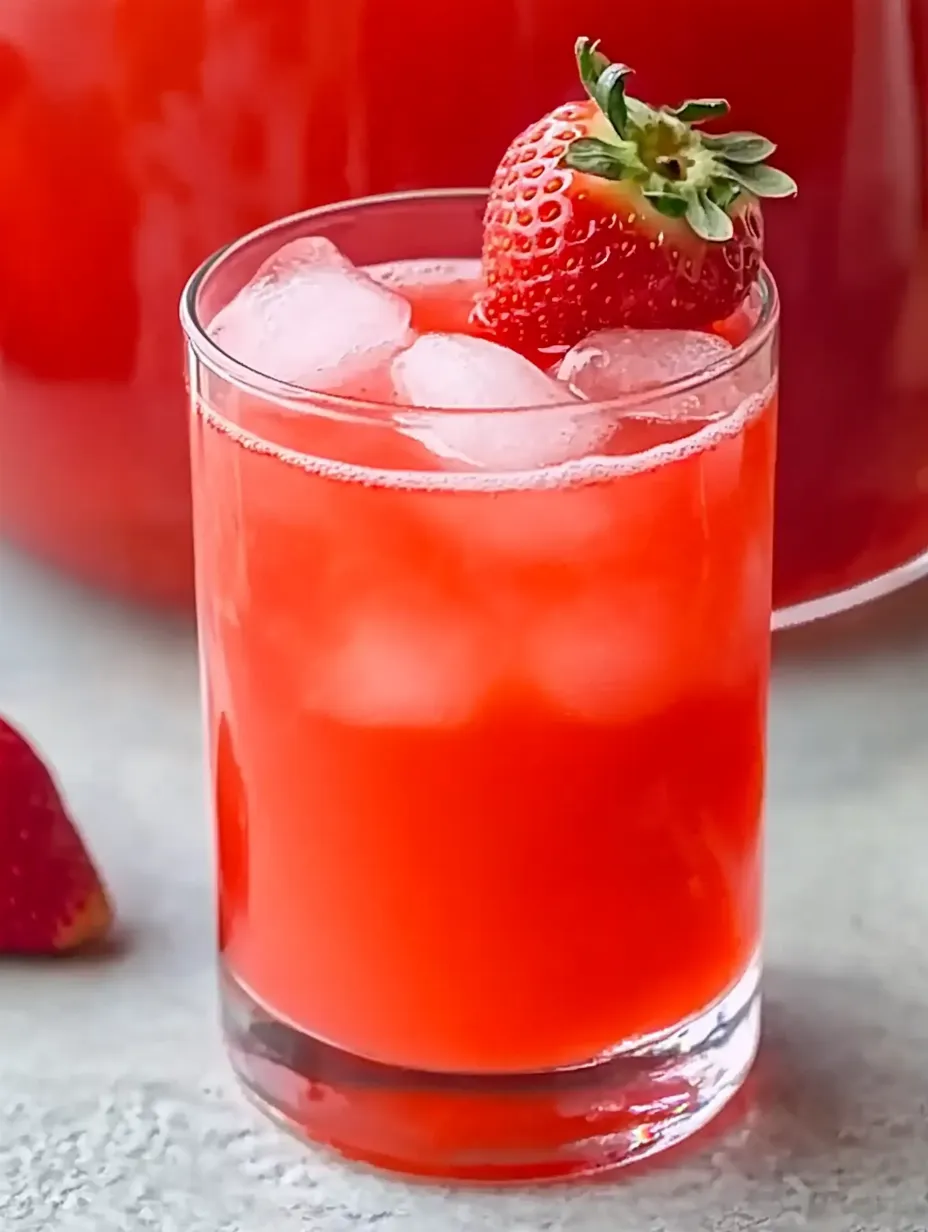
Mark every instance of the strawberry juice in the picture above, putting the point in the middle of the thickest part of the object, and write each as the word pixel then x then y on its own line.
pixel 485 696
pixel 136 137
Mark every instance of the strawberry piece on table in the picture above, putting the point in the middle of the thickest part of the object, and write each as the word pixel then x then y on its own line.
pixel 610 213
pixel 51 899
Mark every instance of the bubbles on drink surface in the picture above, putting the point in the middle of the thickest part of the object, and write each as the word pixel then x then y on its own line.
pixel 310 318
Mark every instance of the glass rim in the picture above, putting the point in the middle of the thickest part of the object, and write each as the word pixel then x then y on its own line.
pixel 302 399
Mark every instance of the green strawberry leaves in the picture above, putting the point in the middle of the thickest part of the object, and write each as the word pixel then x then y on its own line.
pixel 606 159
pixel 667 204
pixel 697 110
pixel 682 173
pixel 604 82
pixel 707 219
pixel 746 148
pixel 591 62
pixel 761 180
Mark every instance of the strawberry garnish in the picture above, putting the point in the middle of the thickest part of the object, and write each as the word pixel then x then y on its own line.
pixel 609 213
pixel 51 899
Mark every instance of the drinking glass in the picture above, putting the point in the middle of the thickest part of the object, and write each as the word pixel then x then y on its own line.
pixel 486 742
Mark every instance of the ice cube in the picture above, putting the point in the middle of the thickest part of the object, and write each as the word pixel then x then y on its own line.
pixel 458 373
pixel 609 657
pixel 309 318
pixel 403 664
pixel 615 362
pixel 304 253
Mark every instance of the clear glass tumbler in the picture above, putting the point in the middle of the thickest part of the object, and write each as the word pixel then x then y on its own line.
pixel 486 739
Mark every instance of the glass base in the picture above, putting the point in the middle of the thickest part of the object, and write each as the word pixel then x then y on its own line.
pixel 495 1128
pixel 855 596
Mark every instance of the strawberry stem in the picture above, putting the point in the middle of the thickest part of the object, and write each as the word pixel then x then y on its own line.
pixel 681 171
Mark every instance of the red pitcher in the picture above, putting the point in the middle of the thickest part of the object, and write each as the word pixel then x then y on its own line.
pixel 138 135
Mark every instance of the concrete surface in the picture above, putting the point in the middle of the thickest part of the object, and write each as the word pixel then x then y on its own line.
pixel 116 1108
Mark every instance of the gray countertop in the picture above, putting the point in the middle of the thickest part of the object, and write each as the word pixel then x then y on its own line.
pixel 116 1107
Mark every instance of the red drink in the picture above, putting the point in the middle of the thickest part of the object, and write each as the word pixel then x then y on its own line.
pixel 487 743
pixel 137 137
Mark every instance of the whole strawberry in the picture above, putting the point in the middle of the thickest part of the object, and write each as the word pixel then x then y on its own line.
pixel 609 213
pixel 51 899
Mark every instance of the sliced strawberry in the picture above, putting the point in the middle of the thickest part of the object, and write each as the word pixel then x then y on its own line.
pixel 51 898
pixel 609 213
